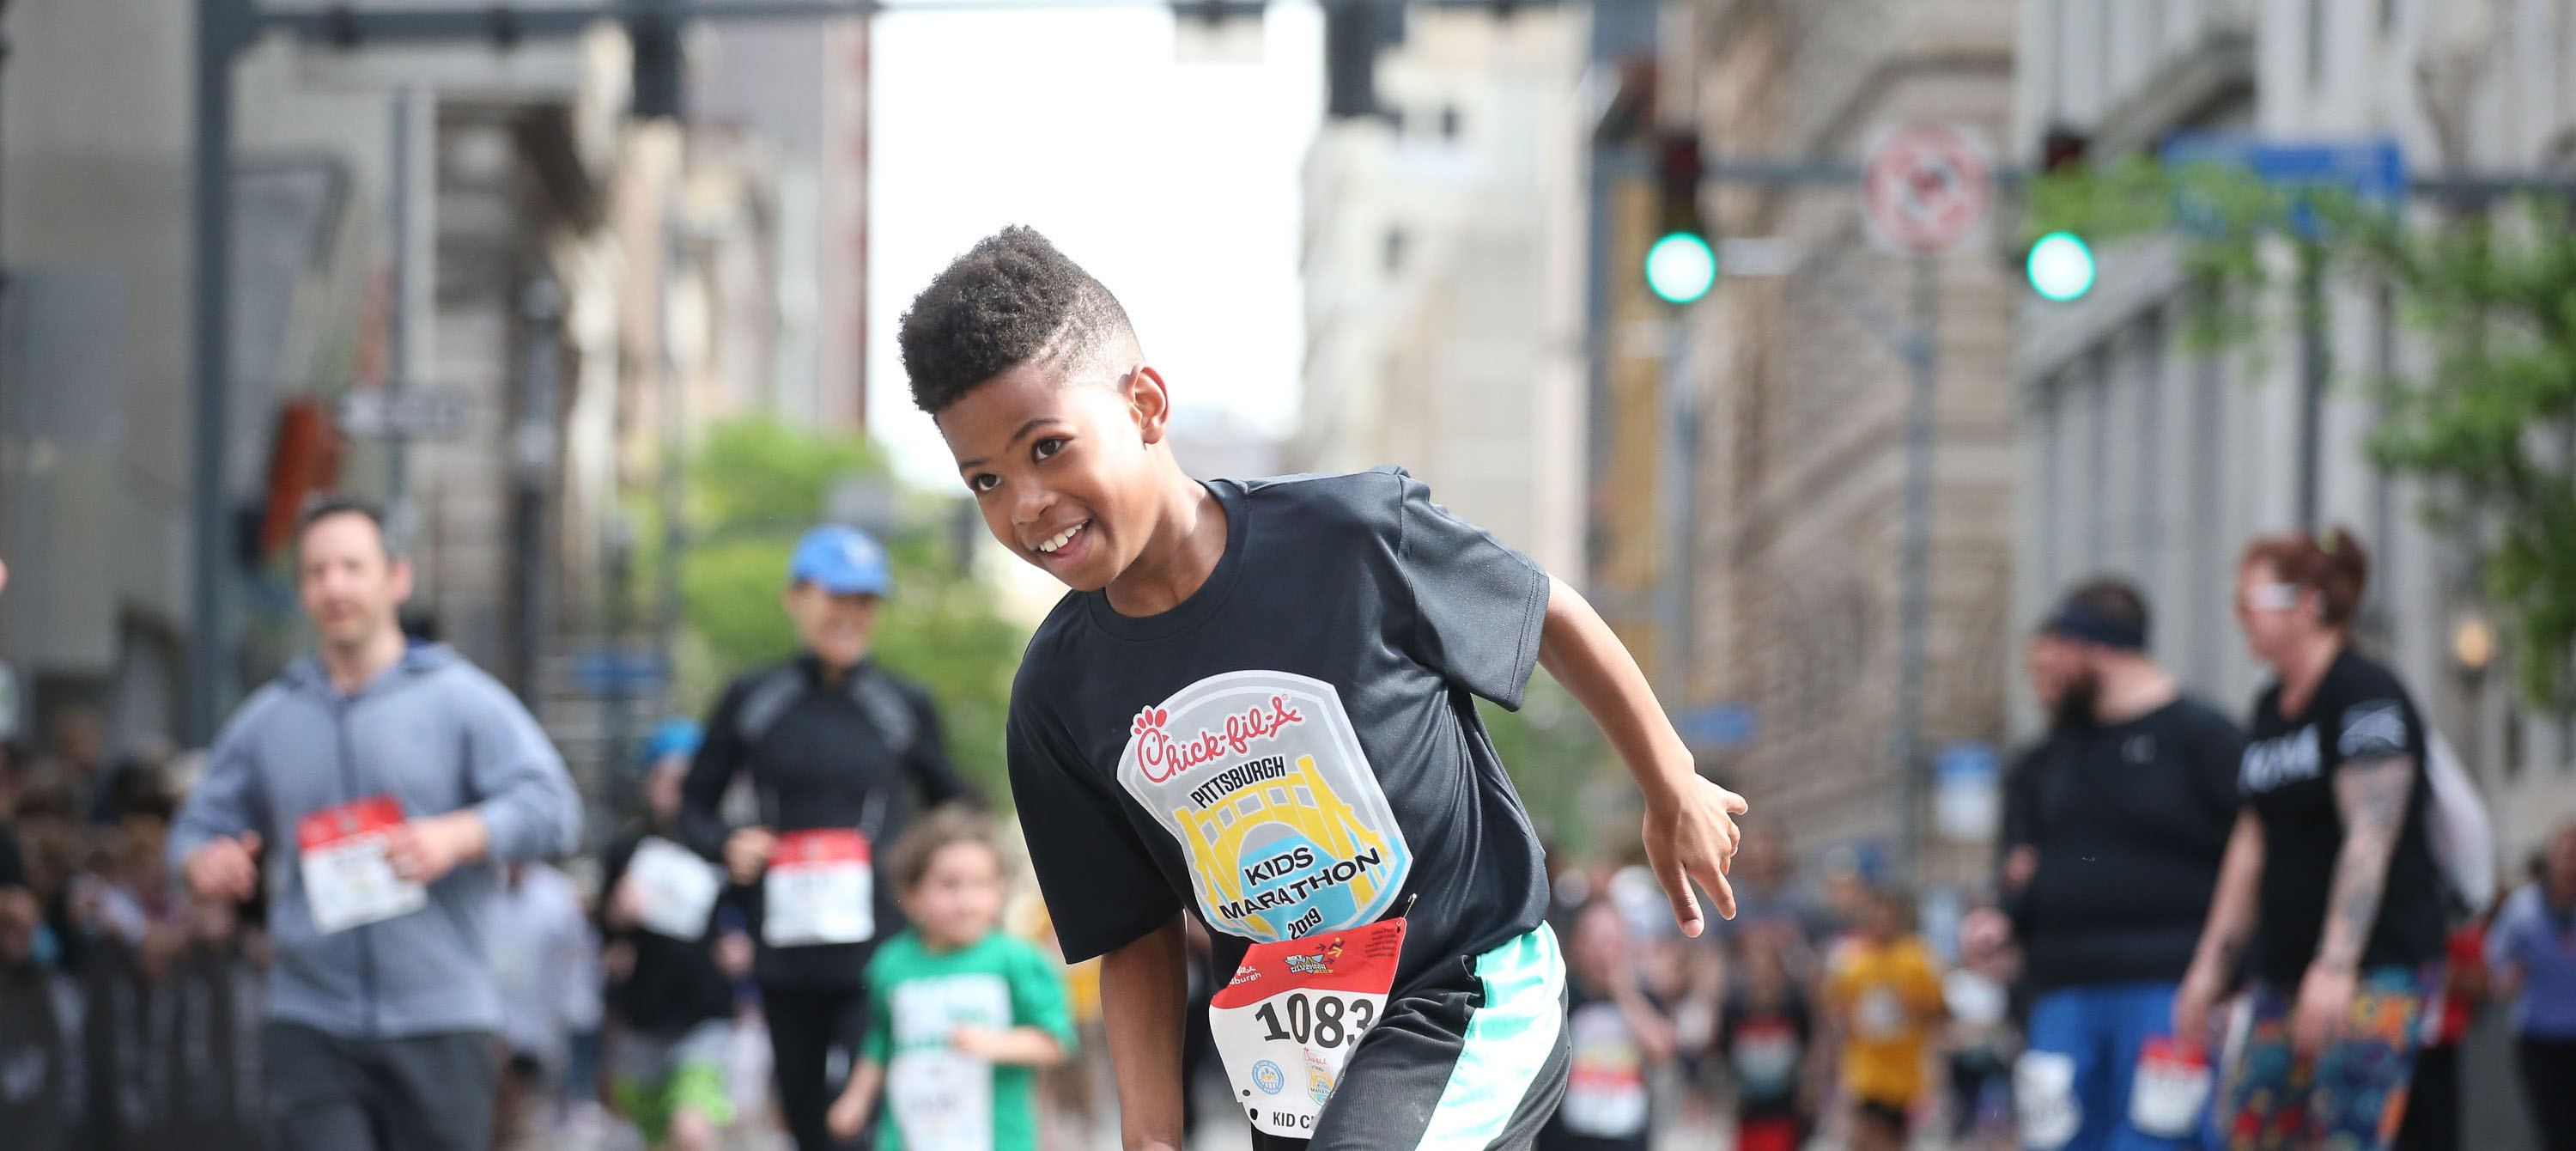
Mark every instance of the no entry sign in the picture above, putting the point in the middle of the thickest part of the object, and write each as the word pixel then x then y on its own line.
pixel 1927 188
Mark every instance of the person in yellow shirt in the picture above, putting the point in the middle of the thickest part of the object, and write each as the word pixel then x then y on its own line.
pixel 1884 991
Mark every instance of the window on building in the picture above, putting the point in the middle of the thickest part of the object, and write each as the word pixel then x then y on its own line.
pixel 1450 123
pixel 1393 257
pixel 2388 17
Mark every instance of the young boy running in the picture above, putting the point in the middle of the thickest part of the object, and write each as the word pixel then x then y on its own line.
pixel 1256 705
pixel 962 1016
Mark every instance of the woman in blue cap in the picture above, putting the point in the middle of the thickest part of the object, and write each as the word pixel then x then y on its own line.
pixel 838 752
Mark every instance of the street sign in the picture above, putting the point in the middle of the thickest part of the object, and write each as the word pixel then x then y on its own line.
pixel 607 671
pixel 1927 188
pixel 2373 169
pixel 416 414
pixel 1965 804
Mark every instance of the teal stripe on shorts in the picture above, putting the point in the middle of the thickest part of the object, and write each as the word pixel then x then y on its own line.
pixel 1508 1042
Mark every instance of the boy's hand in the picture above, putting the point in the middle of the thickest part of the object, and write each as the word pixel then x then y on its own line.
pixel 1691 836
pixel 847 1114
pixel 980 1042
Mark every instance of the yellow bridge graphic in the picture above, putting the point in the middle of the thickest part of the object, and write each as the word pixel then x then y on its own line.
pixel 1302 800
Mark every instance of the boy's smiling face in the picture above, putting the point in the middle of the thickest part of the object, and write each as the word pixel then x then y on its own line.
pixel 1061 464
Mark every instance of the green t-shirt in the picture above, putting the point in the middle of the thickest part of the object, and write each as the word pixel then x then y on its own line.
pixel 918 997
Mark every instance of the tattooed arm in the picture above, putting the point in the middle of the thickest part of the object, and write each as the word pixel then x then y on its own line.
pixel 2371 794
pixel 2372 797
pixel 2224 937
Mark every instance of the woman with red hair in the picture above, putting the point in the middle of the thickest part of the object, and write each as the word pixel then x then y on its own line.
pixel 2329 899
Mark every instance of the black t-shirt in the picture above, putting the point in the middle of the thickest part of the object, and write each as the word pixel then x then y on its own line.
pixel 861 755
pixel 675 983
pixel 2130 821
pixel 2360 713
pixel 13 866
pixel 1294 748
pixel 1765 1045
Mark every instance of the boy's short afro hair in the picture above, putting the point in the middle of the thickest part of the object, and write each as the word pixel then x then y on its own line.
pixel 1010 299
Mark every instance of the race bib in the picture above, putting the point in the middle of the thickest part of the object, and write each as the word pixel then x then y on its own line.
pixel 820 889
pixel 1260 777
pixel 1605 1095
pixel 2171 1087
pixel 1286 1024
pixel 348 880
pixel 676 889
pixel 1880 1015
pixel 2044 1099
pixel 942 1100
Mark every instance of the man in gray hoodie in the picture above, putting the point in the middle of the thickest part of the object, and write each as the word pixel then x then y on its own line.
pixel 386 782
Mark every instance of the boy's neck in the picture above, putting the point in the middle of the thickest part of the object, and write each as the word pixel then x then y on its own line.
pixel 1181 553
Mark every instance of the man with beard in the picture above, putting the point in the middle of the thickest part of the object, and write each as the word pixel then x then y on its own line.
pixel 2114 826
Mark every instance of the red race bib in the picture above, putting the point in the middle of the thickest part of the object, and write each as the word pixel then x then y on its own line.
pixel 1286 1024
pixel 821 888
pixel 348 880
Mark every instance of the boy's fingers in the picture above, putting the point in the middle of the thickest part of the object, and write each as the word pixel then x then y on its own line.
pixel 1685 905
pixel 1721 891
pixel 1735 804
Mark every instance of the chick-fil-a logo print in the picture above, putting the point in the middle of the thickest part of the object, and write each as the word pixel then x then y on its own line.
pixel 1260 777
pixel 1161 757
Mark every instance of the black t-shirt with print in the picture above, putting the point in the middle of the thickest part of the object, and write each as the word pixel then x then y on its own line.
pixel 2129 821
pixel 2360 713
pixel 1295 747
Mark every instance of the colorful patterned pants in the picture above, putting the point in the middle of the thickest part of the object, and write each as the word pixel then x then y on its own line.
pixel 2352 1096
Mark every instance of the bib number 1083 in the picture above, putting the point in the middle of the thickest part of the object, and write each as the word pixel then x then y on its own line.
pixel 1324 1020
pixel 1287 1022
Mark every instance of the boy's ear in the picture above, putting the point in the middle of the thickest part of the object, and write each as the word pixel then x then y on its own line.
pixel 1149 399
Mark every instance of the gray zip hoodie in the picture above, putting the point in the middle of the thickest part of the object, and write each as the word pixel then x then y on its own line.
pixel 435 733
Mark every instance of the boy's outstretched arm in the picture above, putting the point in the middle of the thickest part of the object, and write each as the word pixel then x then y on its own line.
pixel 1690 828
pixel 1149 980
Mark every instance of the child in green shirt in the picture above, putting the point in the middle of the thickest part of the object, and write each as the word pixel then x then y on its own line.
pixel 961 1016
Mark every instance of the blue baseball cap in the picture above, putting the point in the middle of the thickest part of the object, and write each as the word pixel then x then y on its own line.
pixel 678 735
pixel 841 560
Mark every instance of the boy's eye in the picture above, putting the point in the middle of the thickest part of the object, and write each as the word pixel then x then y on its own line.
pixel 1047 447
pixel 983 482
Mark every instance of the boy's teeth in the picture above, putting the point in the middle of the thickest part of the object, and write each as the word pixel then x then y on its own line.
pixel 1063 537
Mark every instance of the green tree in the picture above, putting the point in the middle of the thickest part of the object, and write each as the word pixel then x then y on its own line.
pixel 753 487
pixel 2489 422
pixel 1552 750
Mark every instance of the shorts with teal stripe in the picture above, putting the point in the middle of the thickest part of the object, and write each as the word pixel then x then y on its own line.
pixel 1470 1057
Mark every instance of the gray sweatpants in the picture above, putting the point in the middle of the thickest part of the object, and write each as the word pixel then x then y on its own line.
pixel 417 1093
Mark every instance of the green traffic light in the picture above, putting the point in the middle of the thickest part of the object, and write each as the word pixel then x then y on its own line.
pixel 2061 266
pixel 1681 267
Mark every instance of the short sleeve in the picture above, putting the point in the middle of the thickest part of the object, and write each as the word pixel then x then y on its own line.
pixel 1037 996
pixel 2375 728
pixel 1101 885
pixel 1477 604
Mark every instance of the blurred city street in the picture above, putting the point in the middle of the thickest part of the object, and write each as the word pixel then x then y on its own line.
pixel 494 652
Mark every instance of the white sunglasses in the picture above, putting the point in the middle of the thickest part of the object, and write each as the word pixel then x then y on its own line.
pixel 2270 597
